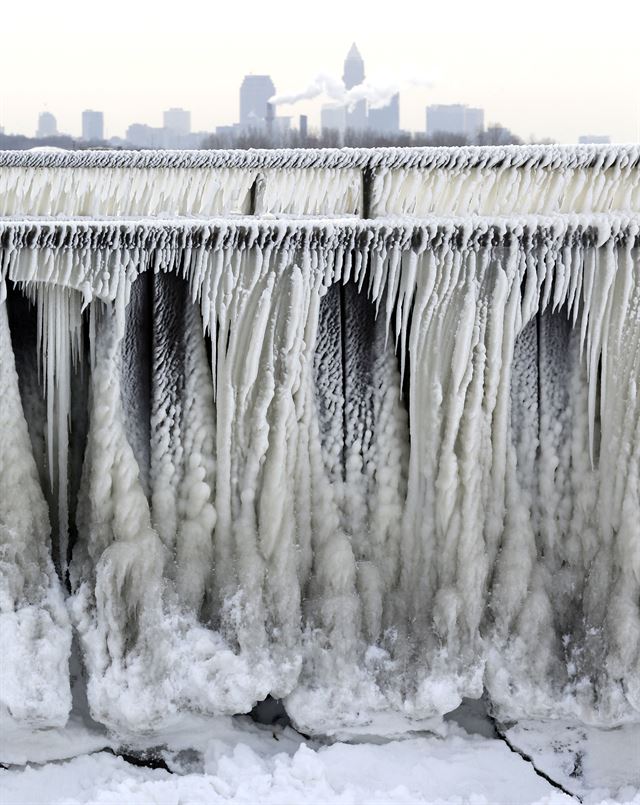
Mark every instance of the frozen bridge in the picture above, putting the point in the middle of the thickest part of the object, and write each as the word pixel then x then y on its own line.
pixel 356 429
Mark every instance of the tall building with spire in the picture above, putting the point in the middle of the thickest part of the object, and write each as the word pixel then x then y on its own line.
pixel 354 75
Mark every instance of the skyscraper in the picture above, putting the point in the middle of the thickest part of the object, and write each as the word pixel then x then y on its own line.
pixel 92 125
pixel 47 125
pixel 333 118
pixel 352 77
pixel 466 121
pixel 177 120
pixel 255 92
pixel 386 119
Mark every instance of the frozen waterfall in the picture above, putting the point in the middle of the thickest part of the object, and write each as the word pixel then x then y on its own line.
pixel 366 465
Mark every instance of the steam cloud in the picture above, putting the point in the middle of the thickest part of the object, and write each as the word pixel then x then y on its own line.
pixel 377 93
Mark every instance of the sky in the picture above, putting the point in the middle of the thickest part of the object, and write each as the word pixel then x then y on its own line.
pixel 544 68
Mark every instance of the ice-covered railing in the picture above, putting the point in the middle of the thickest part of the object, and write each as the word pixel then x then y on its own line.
pixel 500 180
pixel 367 515
pixel 507 180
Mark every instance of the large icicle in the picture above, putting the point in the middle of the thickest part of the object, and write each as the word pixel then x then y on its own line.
pixel 34 629
pixel 59 344
pixel 147 655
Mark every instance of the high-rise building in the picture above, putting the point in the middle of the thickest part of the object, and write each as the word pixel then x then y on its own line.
pixel 47 125
pixel 255 92
pixel 177 120
pixel 353 76
pixel 386 119
pixel 473 121
pixel 458 119
pixel 353 68
pixel 303 127
pixel 92 125
pixel 333 118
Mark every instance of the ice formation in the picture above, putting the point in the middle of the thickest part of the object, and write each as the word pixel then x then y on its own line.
pixel 365 466
pixel 503 180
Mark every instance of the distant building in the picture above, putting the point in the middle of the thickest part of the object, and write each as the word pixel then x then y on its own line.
pixel 228 131
pixel 473 121
pixel 177 120
pixel 118 142
pixel 47 125
pixel 386 119
pixel 139 135
pixel 594 139
pixel 279 126
pixel 495 134
pixel 353 76
pixel 92 125
pixel 457 119
pixel 303 127
pixel 227 136
pixel 142 136
pixel 333 118
pixel 255 92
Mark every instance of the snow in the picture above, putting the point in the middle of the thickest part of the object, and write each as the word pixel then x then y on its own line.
pixel 589 762
pixel 237 761
pixel 244 765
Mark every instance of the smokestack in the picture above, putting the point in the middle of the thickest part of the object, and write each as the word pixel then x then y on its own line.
pixel 271 115
pixel 303 127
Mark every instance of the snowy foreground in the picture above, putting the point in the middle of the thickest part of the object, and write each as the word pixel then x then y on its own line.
pixel 250 763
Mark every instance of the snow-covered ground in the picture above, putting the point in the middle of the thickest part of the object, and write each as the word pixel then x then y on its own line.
pixel 239 761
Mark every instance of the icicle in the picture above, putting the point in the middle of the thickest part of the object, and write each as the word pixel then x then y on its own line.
pixel 34 626
pixel 299 534
pixel 59 350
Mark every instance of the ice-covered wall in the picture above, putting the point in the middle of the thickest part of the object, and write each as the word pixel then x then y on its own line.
pixel 372 183
pixel 525 180
pixel 377 466
pixel 169 183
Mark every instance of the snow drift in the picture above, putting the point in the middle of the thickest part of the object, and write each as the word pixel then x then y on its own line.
pixel 369 467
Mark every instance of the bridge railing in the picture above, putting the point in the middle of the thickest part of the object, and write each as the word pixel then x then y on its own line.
pixel 366 183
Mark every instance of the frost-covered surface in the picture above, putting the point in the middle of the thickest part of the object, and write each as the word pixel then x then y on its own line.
pixel 540 180
pixel 287 522
pixel 188 191
pixel 591 763
pixel 495 180
pixel 233 761
pixel 556 157
pixel 392 773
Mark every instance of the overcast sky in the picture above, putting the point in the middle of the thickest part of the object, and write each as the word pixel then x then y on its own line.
pixel 557 68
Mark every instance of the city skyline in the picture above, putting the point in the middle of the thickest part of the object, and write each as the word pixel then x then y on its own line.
pixel 557 86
